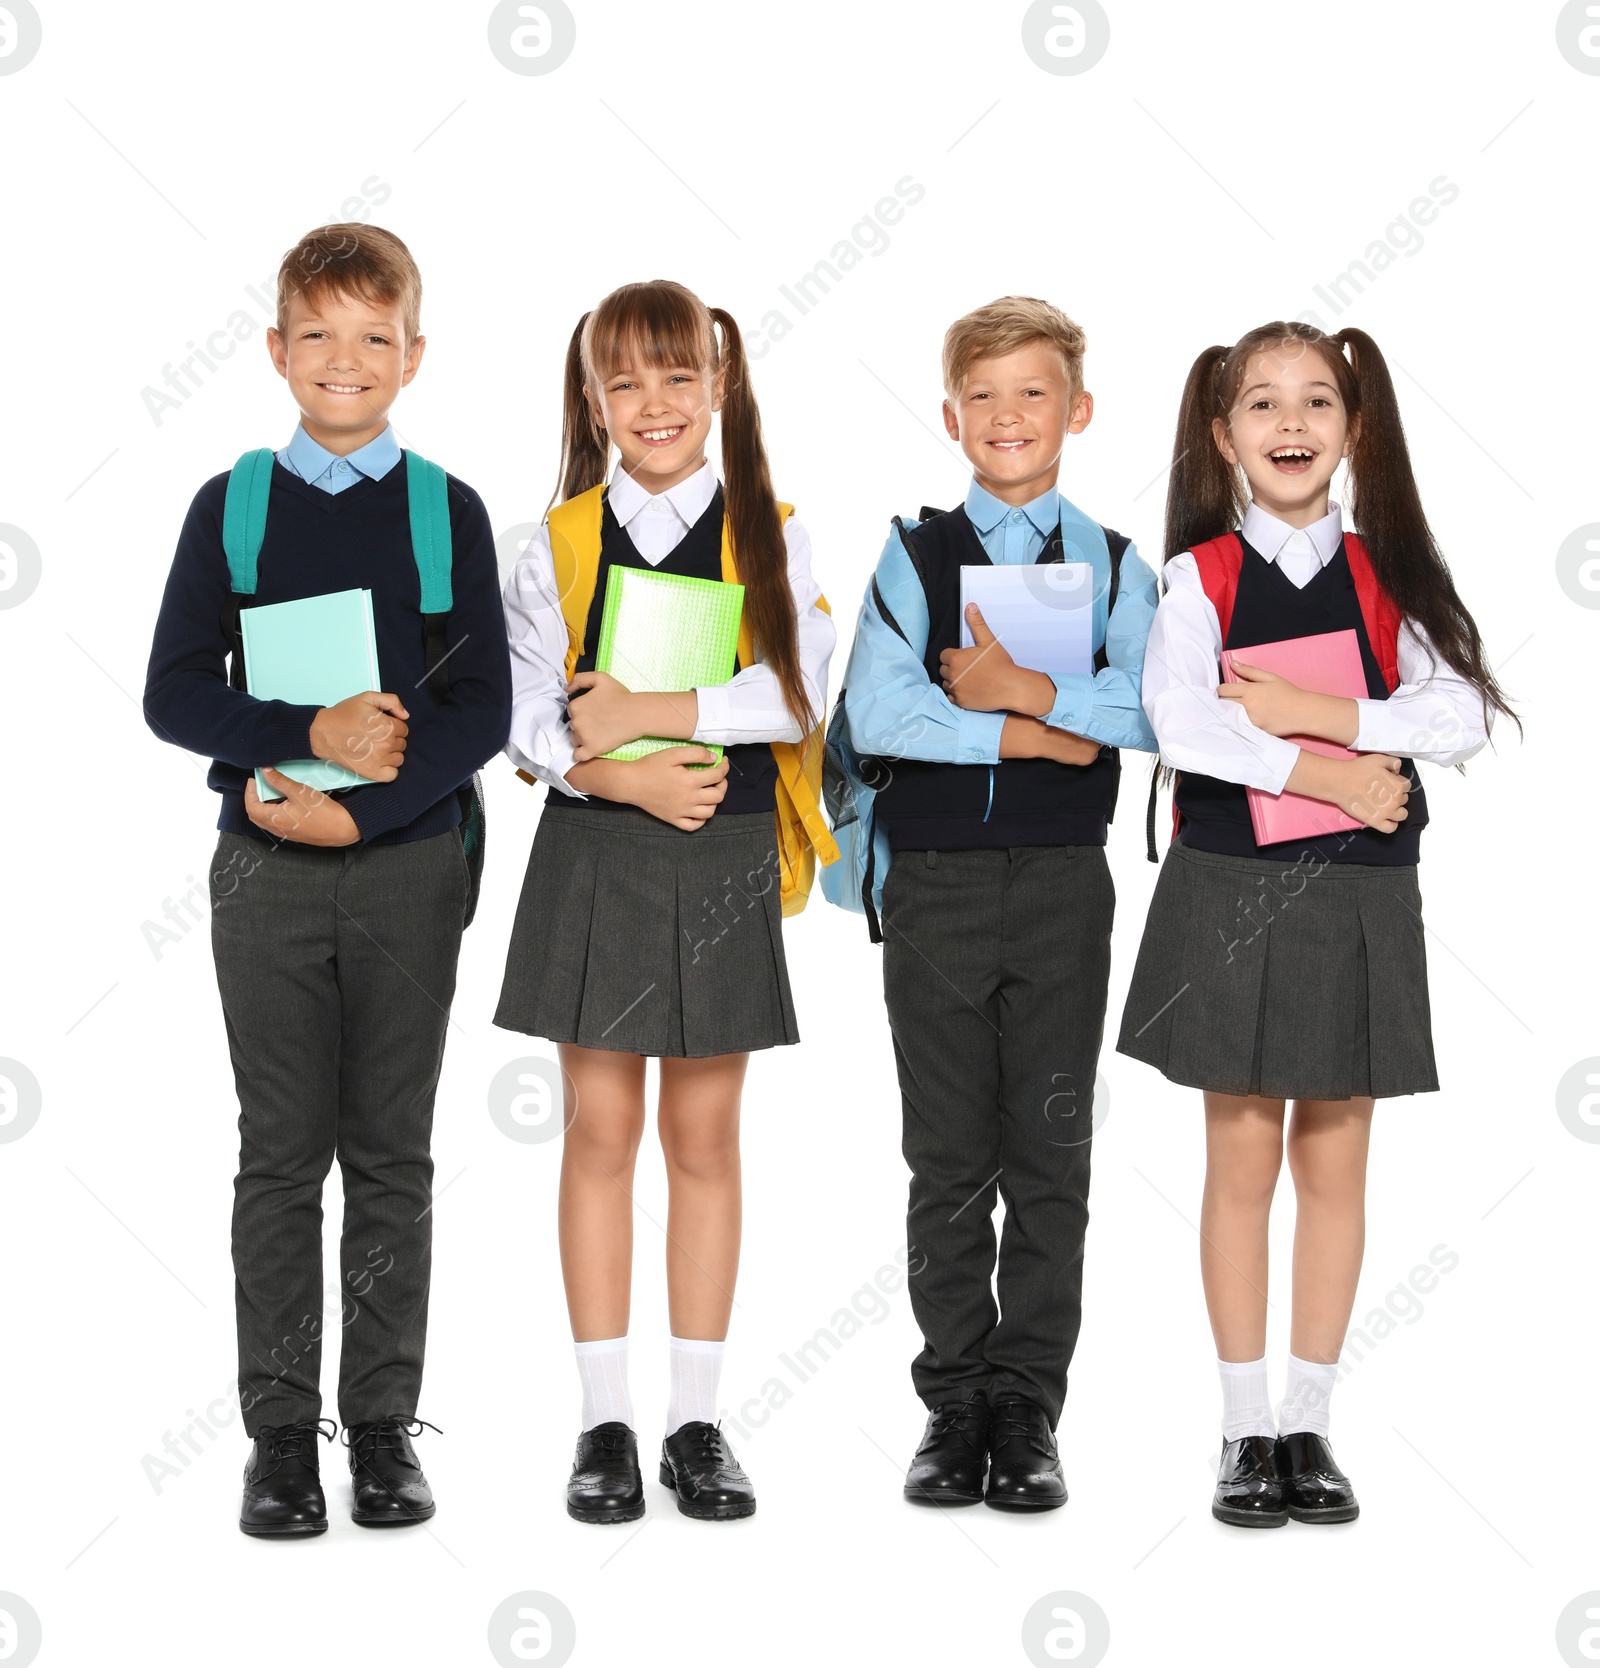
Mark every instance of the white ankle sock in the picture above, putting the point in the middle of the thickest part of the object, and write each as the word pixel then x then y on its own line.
pixel 696 1367
pixel 1246 1406
pixel 603 1367
pixel 1305 1396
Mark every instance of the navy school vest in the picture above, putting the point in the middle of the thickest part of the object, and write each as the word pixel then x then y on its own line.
pixel 928 806
pixel 1215 815
pixel 752 770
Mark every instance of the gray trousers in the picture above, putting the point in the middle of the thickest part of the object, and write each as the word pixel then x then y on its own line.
pixel 995 966
pixel 336 968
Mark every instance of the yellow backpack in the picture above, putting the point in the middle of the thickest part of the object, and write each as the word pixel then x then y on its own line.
pixel 803 835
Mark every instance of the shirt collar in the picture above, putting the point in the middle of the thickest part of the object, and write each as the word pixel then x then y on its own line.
pixel 310 459
pixel 1267 534
pixel 689 498
pixel 986 512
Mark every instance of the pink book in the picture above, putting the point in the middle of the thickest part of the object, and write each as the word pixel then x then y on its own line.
pixel 1327 664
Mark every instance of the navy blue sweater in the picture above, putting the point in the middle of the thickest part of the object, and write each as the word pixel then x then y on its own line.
pixel 317 542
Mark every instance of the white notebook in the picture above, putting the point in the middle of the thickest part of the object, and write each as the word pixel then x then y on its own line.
pixel 1042 612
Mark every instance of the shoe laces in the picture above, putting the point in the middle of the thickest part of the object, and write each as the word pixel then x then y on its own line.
pixel 292 1442
pixel 1013 1419
pixel 708 1444
pixel 613 1441
pixel 963 1417
pixel 391 1431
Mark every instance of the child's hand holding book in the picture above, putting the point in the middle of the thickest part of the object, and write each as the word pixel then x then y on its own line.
pixel 1281 708
pixel 365 733
pixel 680 785
pixel 605 714
pixel 305 815
pixel 985 678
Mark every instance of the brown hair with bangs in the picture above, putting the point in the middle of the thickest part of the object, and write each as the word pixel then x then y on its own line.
pixel 350 259
pixel 1206 495
pixel 665 324
pixel 1003 326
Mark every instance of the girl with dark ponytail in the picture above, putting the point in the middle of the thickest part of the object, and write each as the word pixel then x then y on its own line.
pixel 1294 971
pixel 650 917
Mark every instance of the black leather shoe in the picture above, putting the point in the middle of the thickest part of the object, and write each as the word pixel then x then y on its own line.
pixel 947 1469
pixel 698 1465
pixel 386 1482
pixel 606 1485
pixel 1315 1490
pixel 1024 1464
pixel 1250 1484
pixel 282 1485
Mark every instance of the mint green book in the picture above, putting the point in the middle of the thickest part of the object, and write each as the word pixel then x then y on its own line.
pixel 664 632
pixel 314 651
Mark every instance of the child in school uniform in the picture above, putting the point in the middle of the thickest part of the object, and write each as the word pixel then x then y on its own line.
pixel 650 918
pixel 994 785
pixel 336 917
pixel 1294 971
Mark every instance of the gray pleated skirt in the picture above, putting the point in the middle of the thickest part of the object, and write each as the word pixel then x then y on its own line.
pixel 637 936
pixel 1304 981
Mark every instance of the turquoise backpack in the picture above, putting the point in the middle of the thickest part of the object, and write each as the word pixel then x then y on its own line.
pixel 244 526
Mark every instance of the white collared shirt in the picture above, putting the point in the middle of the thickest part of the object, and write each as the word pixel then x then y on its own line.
pixel 749 708
pixel 1434 714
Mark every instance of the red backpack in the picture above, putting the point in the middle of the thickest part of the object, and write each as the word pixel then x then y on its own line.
pixel 1218 562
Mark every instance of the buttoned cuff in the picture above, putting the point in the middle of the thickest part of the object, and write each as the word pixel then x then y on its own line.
pixel 1280 758
pixel 714 712
pixel 1382 728
pixel 1074 702
pixel 552 769
pixel 978 737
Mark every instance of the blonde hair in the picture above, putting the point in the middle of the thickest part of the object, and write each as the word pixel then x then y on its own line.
pixel 1003 326
pixel 351 259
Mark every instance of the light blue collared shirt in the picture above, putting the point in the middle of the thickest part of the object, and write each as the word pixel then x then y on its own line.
pixel 895 710
pixel 1012 536
pixel 314 463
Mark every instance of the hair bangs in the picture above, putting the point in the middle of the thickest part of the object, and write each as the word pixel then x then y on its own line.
pixel 660 324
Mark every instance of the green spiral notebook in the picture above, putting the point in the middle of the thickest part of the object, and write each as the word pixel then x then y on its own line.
pixel 665 631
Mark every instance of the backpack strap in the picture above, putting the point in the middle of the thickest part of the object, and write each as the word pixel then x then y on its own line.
pixel 575 554
pixel 428 501
pixel 1218 561
pixel 910 549
pixel 244 517
pixel 1378 611
pixel 244 527
pixel 804 837
pixel 1116 544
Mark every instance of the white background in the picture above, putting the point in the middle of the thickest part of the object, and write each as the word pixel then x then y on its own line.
pixel 1213 168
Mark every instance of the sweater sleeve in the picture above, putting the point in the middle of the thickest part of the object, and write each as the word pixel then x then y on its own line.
pixel 187 697
pixel 452 739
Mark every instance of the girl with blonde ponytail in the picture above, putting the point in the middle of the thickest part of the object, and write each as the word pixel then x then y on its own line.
pixel 650 919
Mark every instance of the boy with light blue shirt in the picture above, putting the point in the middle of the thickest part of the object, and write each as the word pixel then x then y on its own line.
pixel 984 790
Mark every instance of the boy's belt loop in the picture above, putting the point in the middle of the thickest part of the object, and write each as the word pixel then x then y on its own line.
pixel 932 860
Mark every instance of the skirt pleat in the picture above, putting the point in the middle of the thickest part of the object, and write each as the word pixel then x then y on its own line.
pixel 1302 982
pixel 636 936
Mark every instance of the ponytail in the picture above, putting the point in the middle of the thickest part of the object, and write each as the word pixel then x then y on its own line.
pixel 1206 494
pixel 755 526
pixel 1387 508
pixel 585 448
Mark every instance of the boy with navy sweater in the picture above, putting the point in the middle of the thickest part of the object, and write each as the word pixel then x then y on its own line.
pixel 995 784
pixel 337 918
